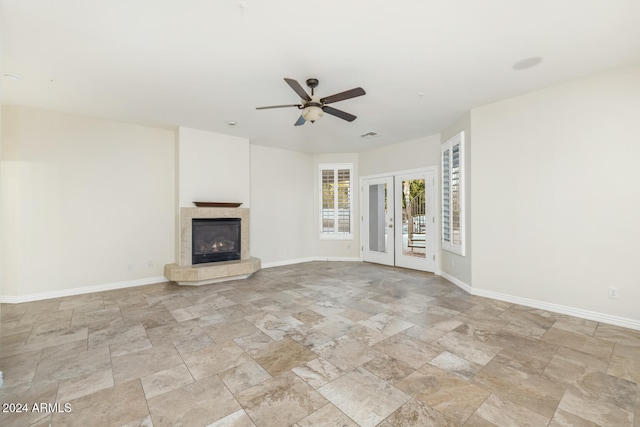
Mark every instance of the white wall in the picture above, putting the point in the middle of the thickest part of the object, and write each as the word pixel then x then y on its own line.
pixel 556 200
pixel 281 205
pixel 213 168
pixel 82 199
pixel 414 154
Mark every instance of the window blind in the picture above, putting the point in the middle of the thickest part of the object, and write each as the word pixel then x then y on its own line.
pixel 452 154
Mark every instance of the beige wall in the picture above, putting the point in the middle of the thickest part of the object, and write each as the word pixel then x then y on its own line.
pixel 281 204
pixel 81 200
pixel 213 168
pixel 555 194
pixel 455 266
pixel 2 248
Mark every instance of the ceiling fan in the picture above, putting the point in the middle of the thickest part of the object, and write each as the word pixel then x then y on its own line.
pixel 313 106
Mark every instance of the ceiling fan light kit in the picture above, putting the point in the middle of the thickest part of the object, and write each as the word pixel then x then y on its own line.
pixel 313 107
pixel 312 113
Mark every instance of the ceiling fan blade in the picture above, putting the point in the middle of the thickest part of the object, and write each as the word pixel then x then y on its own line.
pixel 300 121
pixel 358 91
pixel 339 113
pixel 298 89
pixel 278 106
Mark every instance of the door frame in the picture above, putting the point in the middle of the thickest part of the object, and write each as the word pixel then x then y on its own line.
pixel 436 204
pixel 388 256
pixel 428 262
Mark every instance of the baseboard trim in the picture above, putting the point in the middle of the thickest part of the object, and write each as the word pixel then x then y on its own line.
pixel 555 308
pixel 542 305
pixel 308 259
pixel 5 299
pixel 459 283
pixel 561 309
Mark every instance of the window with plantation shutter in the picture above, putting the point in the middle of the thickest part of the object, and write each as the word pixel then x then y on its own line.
pixel 336 216
pixel 452 154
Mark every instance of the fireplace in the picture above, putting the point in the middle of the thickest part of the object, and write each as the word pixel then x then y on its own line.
pixel 215 239
pixel 212 257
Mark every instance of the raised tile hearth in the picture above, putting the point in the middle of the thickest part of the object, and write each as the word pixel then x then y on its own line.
pixel 185 273
pixel 204 274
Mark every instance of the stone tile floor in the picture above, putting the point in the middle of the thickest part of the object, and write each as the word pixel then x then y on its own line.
pixel 315 344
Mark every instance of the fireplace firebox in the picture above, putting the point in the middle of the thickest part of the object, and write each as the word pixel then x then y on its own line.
pixel 215 239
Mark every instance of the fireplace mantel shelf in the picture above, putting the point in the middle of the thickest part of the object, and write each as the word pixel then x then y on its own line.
pixel 217 204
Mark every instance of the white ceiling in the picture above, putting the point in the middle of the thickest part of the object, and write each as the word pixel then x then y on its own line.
pixel 201 63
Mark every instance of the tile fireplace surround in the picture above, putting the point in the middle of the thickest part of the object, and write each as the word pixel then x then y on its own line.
pixel 184 273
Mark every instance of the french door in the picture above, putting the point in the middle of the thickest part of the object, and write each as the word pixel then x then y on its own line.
pixel 378 220
pixel 398 219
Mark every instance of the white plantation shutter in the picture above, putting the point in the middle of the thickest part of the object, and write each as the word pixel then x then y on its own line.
pixel 446 196
pixel 328 201
pixel 343 201
pixel 336 214
pixel 452 154
pixel 455 194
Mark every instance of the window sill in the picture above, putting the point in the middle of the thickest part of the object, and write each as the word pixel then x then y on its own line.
pixel 459 250
pixel 332 237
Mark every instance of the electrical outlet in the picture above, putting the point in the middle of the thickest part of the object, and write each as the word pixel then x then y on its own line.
pixel 613 292
pixel 150 264
pixel 129 267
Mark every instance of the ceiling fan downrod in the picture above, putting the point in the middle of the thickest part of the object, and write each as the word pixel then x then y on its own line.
pixel 313 83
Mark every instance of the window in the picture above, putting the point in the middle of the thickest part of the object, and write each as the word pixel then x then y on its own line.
pixel 452 153
pixel 336 215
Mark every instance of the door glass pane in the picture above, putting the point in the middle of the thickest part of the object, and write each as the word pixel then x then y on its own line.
pixel 378 218
pixel 414 228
